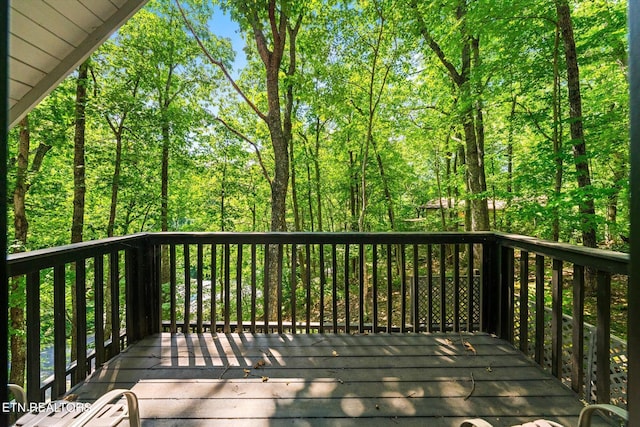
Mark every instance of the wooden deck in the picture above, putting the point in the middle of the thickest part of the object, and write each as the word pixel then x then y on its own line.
pixel 332 380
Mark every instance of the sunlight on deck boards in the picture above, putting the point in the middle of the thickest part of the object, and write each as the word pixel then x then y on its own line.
pixel 332 379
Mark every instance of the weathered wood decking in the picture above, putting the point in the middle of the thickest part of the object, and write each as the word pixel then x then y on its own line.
pixel 332 379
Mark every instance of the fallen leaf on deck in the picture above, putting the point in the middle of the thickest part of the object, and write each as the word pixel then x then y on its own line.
pixel 334 353
pixel 246 372
pixel 469 347
pixel 259 364
pixel 265 379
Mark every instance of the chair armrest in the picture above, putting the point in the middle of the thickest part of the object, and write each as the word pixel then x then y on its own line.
pixel 587 412
pixel 107 398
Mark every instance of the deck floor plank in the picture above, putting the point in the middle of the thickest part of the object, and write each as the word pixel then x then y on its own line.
pixel 332 380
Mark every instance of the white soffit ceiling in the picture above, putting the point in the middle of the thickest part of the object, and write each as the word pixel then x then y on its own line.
pixel 49 38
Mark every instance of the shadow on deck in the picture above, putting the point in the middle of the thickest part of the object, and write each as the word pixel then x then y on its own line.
pixel 332 379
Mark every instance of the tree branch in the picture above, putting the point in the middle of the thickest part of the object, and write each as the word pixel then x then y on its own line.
pixel 253 144
pixel 435 47
pixel 220 65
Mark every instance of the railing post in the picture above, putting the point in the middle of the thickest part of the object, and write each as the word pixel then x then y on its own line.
pixel 140 286
pixel 489 290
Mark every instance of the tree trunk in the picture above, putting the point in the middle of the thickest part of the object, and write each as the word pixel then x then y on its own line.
pixel 316 164
pixel 164 186
pixel 310 196
pixel 353 192
pixel 557 138
pixel 510 161
pixel 473 133
pixel 79 187
pixel 386 189
pixel 21 228
pixel 587 206
pixel 297 223
pixel 115 184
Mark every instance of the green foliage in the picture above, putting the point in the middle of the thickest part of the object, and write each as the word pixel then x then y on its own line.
pixel 364 77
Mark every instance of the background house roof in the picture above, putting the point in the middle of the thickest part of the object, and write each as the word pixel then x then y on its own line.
pixel 48 39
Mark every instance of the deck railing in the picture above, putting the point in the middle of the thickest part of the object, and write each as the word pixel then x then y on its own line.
pixel 129 287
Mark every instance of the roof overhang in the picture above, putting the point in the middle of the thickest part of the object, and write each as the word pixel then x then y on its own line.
pixel 49 38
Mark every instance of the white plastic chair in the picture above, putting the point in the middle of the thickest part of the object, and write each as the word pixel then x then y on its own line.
pixel 583 421
pixel 103 412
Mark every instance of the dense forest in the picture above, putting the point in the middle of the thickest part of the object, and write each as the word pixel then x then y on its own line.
pixel 368 116
pixel 373 115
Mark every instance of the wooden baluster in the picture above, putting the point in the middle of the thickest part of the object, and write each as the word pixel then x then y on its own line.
pixel 279 285
pixel 294 282
pixel 471 290
pixel 389 291
pixel 347 319
pixel 539 355
pixel 239 289
pixel 443 289
pixel 308 285
pixel 214 295
pixel 98 301
pixel 334 290
pixel 403 289
pixel 374 290
pixel 227 289
pixel 556 318
pixel 415 315
pixel 80 372
pixel 266 289
pixel 323 282
pixel 199 280
pixel 253 288
pixel 577 341
pixel 34 394
pixel 524 302
pixel 603 340
pixel 456 287
pixel 173 288
pixel 362 282
pixel 430 319
pixel 59 333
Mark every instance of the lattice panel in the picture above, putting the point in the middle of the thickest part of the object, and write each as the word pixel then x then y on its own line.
pixel 463 299
pixel 618 355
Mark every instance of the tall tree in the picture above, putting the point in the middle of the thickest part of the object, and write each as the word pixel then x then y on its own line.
pixel 471 118
pixel 21 228
pixel 269 25
pixel 583 175
pixel 79 172
pixel 79 191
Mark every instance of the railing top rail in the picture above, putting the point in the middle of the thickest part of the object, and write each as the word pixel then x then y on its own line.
pixel 24 262
pixel 320 237
pixel 604 260
pixel 614 262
